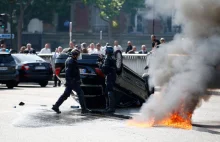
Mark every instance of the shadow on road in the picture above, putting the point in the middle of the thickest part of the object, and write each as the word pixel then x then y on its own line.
pixel 206 128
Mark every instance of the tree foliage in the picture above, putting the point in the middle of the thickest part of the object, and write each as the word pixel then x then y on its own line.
pixel 109 9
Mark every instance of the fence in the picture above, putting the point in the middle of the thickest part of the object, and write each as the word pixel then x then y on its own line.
pixel 136 62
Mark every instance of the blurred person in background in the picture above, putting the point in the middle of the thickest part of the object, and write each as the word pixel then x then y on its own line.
pixel 133 50
pixel 58 51
pixel 99 51
pixel 129 48
pixel 103 48
pixel 29 49
pixel 46 49
pixel 22 49
pixel 92 49
pixel 3 47
pixel 84 48
pixel 70 48
pixel 162 41
pixel 117 46
pixel 143 50
pixel 155 42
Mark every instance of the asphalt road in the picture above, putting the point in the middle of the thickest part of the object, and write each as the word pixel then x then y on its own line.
pixel 35 122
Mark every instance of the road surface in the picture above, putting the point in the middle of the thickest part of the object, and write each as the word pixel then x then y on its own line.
pixel 35 122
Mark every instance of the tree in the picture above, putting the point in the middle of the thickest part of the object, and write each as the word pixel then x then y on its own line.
pixel 28 9
pixel 109 9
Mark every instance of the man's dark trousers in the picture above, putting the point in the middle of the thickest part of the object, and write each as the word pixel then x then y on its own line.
pixel 72 85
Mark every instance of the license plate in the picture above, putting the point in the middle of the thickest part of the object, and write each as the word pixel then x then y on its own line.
pixel 40 68
pixel 3 68
pixel 82 70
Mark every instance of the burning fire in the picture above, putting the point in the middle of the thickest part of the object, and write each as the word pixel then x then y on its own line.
pixel 174 120
pixel 177 119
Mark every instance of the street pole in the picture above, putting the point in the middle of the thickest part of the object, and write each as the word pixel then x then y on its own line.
pixel 11 9
pixel 153 16
pixel 70 31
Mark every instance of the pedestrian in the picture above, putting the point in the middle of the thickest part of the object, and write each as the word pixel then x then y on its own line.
pixel 58 51
pixel 117 46
pixel 70 48
pixel 72 83
pixel 129 47
pixel 162 41
pixel 103 48
pixel 46 49
pixel 133 50
pixel 92 49
pixel 155 42
pixel 29 49
pixel 22 49
pixel 3 49
pixel 109 69
pixel 143 50
pixel 99 51
pixel 84 48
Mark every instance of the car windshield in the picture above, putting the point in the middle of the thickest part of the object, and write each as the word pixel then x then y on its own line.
pixel 6 58
pixel 27 58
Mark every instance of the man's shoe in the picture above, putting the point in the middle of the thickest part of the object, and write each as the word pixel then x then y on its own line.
pixel 56 109
pixel 85 111
pixel 54 86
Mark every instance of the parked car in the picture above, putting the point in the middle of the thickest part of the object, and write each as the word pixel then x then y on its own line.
pixel 33 68
pixel 8 72
pixel 129 90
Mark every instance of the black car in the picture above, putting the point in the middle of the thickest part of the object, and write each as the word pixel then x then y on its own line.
pixel 33 68
pixel 8 72
pixel 130 88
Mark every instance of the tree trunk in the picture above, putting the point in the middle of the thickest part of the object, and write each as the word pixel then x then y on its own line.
pixel 19 28
pixel 110 31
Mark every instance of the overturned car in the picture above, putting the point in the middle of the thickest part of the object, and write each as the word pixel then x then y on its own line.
pixel 130 89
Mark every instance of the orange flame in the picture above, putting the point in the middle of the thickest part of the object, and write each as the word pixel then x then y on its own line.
pixel 174 120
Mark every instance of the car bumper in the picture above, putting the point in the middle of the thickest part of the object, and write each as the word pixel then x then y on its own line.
pixel 6 78
pixel 35 78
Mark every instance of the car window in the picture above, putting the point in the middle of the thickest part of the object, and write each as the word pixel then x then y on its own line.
pixel 28 58
pixel 6 58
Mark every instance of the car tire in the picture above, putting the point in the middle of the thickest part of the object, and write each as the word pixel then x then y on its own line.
pixel 10 84
pixel 43 83
pixel 119 61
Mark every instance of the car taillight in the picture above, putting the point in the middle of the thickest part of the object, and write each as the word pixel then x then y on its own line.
pixel 57 71
pixel 25 67
pixel 99 72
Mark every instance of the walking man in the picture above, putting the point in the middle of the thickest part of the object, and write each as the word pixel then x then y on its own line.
pixel 72 83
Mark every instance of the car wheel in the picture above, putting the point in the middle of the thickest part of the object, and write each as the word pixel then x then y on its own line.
pixel 10 85
pixel 119 59
pixel 43 83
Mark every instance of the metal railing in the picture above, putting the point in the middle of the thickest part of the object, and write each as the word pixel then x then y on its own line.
pixel 136 62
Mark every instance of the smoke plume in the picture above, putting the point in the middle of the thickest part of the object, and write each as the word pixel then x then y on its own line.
pixel 186 66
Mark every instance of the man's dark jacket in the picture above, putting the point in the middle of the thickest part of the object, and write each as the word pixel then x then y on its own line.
pixel 128 48
pixel 155 41
pixel 72 70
